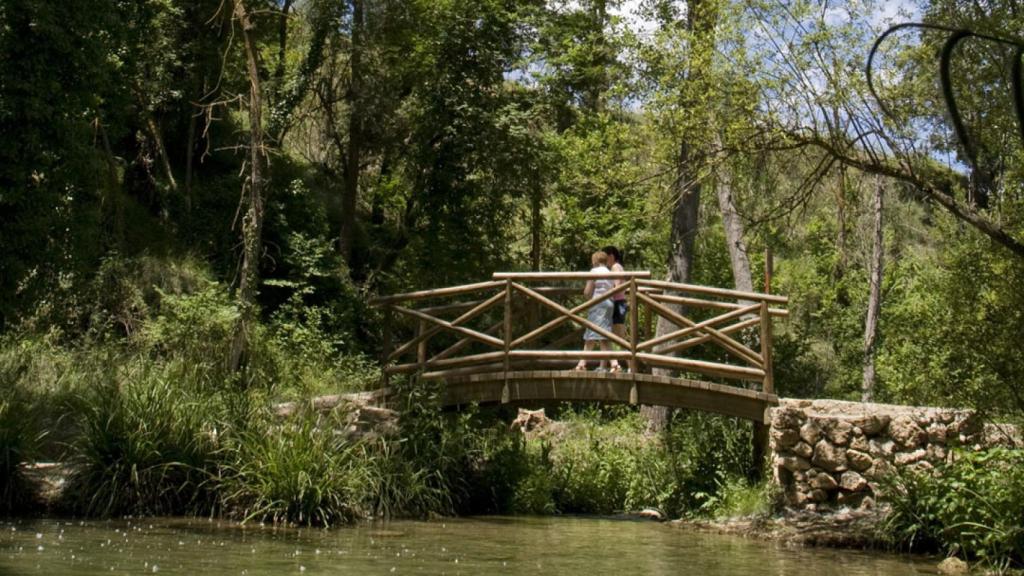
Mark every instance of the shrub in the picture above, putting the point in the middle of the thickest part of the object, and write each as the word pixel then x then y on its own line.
pixel 19 443
pixel 740 497
pixel 706 452
pixel 972 506
pixel 424 471
pixel 147 446
pixel 300 471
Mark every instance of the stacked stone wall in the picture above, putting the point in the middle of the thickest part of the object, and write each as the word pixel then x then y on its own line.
pixel 828 453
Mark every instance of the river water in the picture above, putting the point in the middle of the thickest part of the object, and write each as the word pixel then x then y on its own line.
pixel 566 546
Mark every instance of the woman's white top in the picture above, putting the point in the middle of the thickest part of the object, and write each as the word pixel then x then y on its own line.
pixel 602 285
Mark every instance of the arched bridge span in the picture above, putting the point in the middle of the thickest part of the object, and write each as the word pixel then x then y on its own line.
pixel 516 338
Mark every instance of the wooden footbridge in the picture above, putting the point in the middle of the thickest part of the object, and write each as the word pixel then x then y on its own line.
pixel 516 338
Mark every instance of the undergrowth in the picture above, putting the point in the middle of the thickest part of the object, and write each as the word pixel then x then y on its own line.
pixel 972 506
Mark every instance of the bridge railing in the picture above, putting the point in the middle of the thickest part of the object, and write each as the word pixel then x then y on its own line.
pixel 500 326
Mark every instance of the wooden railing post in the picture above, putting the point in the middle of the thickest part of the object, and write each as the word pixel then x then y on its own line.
pixel 507 335
pixel 634 326
pixel 421 348
pixel 766 349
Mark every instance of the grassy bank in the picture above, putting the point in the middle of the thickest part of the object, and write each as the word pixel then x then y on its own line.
pixel 150 431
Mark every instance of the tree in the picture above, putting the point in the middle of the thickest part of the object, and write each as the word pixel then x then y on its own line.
pixel 252 195
pixel 875 298
pixel 692 100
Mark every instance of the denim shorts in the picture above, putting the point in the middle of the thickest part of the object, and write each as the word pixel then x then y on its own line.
pixel 620 311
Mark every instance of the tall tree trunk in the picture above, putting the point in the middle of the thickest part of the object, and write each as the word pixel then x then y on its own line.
pixel 598 87
pixel 190 150
pixel 839 269
pixel 112 198
pixel 354 151
pixel 252 196
pixel 685 224
pixel 536 226
pixel 700 22
pixel 874 299
pixel 161 151
pixel 282 45
pixel 733 224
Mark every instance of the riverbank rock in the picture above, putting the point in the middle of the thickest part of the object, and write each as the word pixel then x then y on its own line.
pixel 529 420
pixel 952 565
pixel 849 528
pixel 651 514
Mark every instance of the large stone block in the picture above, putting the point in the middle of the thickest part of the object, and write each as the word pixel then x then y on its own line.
pixel 882 448
pixel 871 424
pixel 936 433
pixel 792 463
pixel 784 438
pixel 818 495
pixel 803 450
pixel 936 453
pixel 810 432
pixel 853 482
pixel 858 460
pixel 904 458
pixel 860 442
pixel 839 433
pixel 787 417
pixel 829 457
pixel 905 431
pixel 824 481
pixel 880 468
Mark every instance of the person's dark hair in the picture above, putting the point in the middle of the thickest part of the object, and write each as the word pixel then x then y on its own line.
pixel 614 252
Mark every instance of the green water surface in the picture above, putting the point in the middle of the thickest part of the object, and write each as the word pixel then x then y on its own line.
pixel 565 546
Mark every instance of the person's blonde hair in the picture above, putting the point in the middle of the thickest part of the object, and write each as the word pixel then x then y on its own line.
pixel 599 258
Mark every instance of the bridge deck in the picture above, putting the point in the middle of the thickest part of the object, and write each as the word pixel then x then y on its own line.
pixel 568 385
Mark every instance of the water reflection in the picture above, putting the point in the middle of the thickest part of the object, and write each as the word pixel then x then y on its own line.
pixel 563 546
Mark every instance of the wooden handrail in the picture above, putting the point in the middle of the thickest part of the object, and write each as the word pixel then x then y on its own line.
pixel 556 276
pixel 724 292
pixel 724 340
pixel 434 293
pixel 512 345
pixel 698 327
pixel 701 303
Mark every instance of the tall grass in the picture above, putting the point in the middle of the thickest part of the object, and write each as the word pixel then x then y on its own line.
pixel 971 507
pixel 19 443
pixel 147 445
pixel 301 470
pixel 155 423
pixel 606 463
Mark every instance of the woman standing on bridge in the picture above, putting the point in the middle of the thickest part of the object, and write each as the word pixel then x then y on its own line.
pixel 600 313
pixel 620 306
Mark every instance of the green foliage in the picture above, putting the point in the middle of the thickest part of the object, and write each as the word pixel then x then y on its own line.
pixel 299 470
pixel 148 445
pixel 608 465
pixel 421 472
pixel 738 497
pixel 971 507
pixel 705 452
pixel 949 339
pixel 21 433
